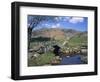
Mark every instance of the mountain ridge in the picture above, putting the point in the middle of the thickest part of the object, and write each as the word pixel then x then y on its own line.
pixel 57 33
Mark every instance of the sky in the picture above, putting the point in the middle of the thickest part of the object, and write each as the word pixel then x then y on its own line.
pixel 63 22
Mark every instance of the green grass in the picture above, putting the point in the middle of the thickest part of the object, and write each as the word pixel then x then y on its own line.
pixel 41 60
pixel 45 59
pixel 78 41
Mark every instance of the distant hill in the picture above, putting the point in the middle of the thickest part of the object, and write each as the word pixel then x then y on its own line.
pixel 57 33
pixel 70 33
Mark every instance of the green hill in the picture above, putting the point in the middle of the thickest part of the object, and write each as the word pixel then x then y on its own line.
pixel 78 40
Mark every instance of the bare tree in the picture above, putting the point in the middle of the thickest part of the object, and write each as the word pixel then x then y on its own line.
pixel 34 22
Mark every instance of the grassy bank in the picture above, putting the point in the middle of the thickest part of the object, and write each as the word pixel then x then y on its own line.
pixel 43 59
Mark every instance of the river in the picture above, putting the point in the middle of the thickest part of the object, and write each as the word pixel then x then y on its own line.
pixel 76 59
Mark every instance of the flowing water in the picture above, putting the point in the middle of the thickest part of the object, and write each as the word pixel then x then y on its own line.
pixel 77 59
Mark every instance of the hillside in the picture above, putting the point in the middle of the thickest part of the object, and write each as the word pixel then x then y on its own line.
pixel 55 33
pixel 73 37
pixel 78 39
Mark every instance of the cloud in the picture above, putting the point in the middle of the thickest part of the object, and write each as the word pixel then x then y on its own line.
pixel 66 18
pixel 55 26
pixel 58 25
pixel 58 18
pixel 75 20
pixel 70 19
pixel 47 25
pixel 62 18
